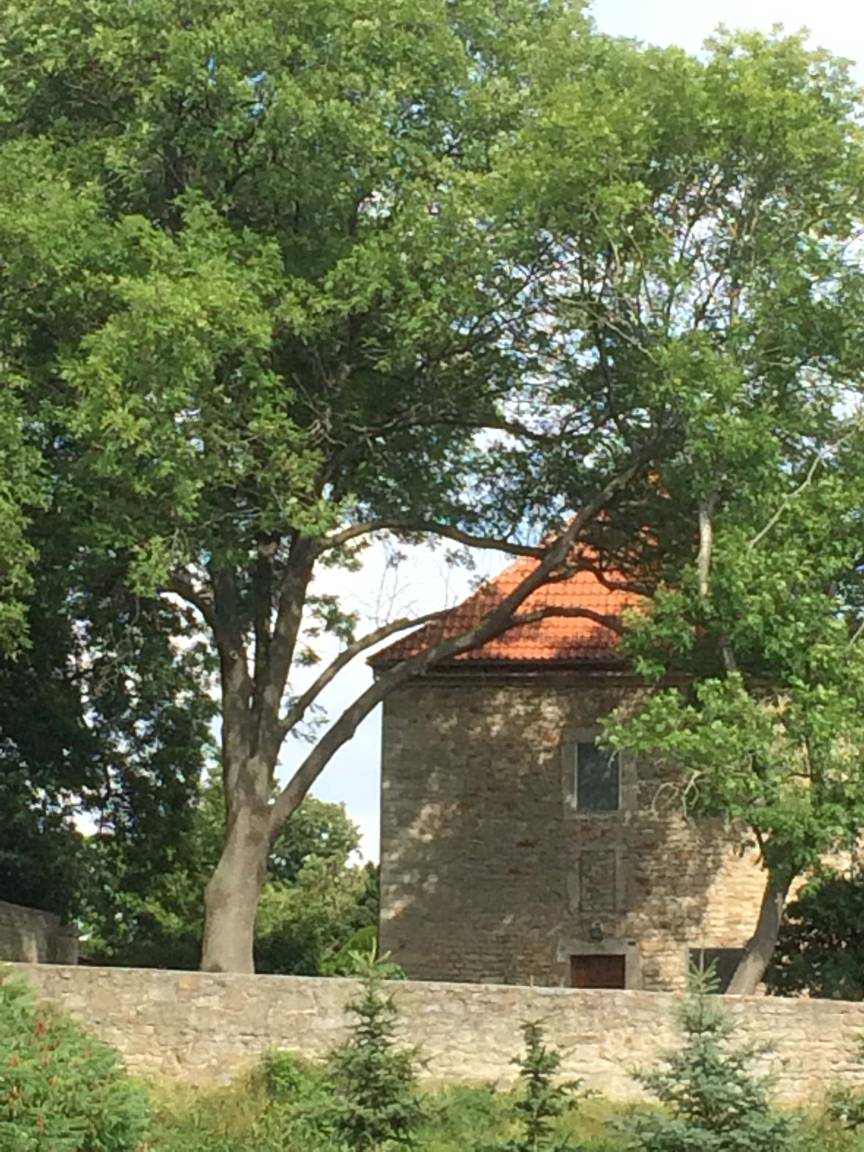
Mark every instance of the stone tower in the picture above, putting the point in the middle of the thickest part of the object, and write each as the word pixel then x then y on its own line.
pixel 513 848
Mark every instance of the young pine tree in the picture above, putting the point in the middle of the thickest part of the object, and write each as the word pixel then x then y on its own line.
pixel 374 1081
pixel 713 1100
pixel 542 1100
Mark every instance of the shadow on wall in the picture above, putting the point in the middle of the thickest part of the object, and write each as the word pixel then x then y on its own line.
pixel 487 872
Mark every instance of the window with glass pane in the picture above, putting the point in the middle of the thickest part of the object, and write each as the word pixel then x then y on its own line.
pixel 598 778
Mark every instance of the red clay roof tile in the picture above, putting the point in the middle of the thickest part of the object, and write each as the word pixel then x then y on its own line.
pixel 551 640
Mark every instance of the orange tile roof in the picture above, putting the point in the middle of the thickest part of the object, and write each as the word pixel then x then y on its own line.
pixel 555 639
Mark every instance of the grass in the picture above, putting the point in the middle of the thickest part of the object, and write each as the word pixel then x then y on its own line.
pixel 266 1113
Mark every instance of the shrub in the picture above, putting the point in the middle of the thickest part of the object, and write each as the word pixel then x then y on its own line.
pixel 374 1082
pixel 60 1089
pixel 300 1104
pixel 463 1116
pixel 845 1106
pixel 713 1100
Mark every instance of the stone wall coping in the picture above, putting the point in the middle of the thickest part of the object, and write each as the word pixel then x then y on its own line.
pixel 29 910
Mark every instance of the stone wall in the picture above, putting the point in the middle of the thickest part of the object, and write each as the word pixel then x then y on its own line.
pixel 34 936
pixel 489 874
pixel 204 1027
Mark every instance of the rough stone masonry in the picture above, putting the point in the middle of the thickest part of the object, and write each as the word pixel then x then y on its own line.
pixel 491 873
pixel 35 936
pixel 207 1027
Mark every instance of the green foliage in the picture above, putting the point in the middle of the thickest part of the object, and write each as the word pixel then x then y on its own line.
pixel 713 1100
pixel 459 1118
pixel 846 1108
pixel 104 716
pixel 278 268
pixel 820 952
pixel 192 300
pixel 61 1090
pixel 350 959
pixel 376 1103
pixel 310 927
pixel 294 1117
pixel 316 899
pixel 287 1076
pixel 542 1101
pixel 22 490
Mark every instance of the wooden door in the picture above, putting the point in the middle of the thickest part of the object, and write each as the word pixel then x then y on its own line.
pixel 597 971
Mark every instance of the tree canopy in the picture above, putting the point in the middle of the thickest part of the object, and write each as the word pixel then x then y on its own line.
pixel 140 911
pixel 283 278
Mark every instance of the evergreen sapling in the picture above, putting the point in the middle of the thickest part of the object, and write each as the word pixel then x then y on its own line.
pixel 374 1081
pixel 713 1100
pixel 542 1101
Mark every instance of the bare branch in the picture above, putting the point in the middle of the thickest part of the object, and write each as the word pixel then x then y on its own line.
pixel 301 705
pixel 613 623
pixel 818 460
pixel 429 528
pixel 706 544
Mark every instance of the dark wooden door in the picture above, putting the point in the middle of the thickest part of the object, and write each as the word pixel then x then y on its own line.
pixel 597 971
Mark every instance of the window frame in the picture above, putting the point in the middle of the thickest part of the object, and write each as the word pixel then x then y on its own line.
pixel 578 741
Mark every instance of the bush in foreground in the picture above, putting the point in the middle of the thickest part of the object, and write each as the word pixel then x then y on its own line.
pixel 60 1089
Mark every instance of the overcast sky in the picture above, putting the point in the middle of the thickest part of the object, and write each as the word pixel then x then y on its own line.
pixel 425 583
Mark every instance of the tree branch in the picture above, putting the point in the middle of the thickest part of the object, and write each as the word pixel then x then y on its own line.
pixel 300 706
pixel 497 621
pixel 706 544
pixel 234 673
pixel 286 628
pixel 180 584
pixel 613 623
pixel 430 528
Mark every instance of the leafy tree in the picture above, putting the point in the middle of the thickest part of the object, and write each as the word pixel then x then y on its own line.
pixel 376 1105
pixel 265 283
pixel 313 904
pixel 773 741
pixel 103 722
pixel 291 276
pixel 820 949
pixel 713 1100
pixel 733 304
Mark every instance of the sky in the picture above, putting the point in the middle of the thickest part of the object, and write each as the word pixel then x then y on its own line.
pixel 424 582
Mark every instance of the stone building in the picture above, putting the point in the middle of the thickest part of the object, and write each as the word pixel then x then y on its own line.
pixel 513 849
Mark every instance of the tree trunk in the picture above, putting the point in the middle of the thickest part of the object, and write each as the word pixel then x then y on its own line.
pixel 760 948
pixel 233 892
